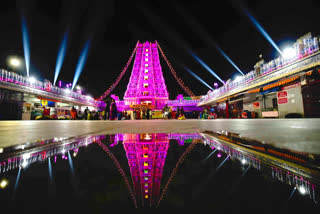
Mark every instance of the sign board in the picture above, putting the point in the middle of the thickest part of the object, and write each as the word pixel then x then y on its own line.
pixel 282 94
pixel 256 105
pixel 291 86
pixel 283 100
pixel 156 114
pixel 244 115
pixel 270 114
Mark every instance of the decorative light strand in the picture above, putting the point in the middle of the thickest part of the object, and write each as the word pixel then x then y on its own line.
pixel 107 92
pixel 181 83
pixel 174 171
pixel 106 149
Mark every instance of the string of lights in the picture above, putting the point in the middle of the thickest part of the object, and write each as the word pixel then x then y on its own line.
pixel 181 83
pixel 174 171
pixel 110 89
pixel 106 149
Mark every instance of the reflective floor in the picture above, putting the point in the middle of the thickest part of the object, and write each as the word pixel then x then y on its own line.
pixel 218 171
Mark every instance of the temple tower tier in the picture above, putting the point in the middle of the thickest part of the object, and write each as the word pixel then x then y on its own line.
pixel 147 85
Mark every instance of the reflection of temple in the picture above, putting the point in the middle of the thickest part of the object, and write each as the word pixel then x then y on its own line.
pixel 146 155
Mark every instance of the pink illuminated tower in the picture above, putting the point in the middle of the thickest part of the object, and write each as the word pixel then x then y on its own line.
pixel 146 84
pixel 146 154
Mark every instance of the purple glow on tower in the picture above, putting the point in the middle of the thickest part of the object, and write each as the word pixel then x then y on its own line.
pixel 146 84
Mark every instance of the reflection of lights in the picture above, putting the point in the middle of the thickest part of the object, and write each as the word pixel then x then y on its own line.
pixel 302 190
pixel 147 137
pixel 63 151
pixel 74 154
pixel 24 164
pixel 4 183
pixel 147 196
pixel 67 91
pixel 26 156
pixel 243 161
pixel 219 155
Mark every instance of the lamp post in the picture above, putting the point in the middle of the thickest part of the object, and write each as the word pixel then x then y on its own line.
pixel 215 85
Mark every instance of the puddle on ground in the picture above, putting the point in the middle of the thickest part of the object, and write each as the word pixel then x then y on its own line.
pixel 220 171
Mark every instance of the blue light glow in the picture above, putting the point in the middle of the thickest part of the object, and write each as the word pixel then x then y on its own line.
pixel 81 62
pixel 262 31
pixel 26 44
pixel 220 165
pixel 50 169
pixel 232 63
pixel 16 184
pixel 60 58
pixel 70 163
pixel 206 67
pixel 198 78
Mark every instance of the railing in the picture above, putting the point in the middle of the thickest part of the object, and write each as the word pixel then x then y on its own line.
pixel 183 102
pixel 251 80
pixel 13 81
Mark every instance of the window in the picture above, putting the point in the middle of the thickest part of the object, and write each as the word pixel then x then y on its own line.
pixel 146 71
pixel 146 77
pixel 146 50
pixel 147 54
pixel 145 93
pixel 146 65
pixel 146 59
pixel 145 85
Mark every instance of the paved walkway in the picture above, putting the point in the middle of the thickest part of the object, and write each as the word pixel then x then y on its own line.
pixel 296 134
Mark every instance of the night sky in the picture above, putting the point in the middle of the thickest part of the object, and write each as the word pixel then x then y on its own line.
pixel 115 27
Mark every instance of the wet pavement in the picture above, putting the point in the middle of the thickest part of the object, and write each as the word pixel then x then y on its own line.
pixel 220 171
pixel 297 134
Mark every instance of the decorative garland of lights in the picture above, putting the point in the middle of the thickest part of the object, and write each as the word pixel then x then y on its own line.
pixel 181 83
pixel 106 149
pixel 107 92
pixel 174 171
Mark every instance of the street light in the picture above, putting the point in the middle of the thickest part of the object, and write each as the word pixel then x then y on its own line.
pixel 14 62
pixel 289 53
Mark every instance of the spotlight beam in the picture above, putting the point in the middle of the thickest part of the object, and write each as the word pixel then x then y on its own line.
pixel 227 58
pixel 259 28
pixel 206 67
pixel 81 63
pixel 60 57
pixel 203 34
pixel 198 78
pixel 26 44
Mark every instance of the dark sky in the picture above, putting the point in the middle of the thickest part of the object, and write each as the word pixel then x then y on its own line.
pixel 115 27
